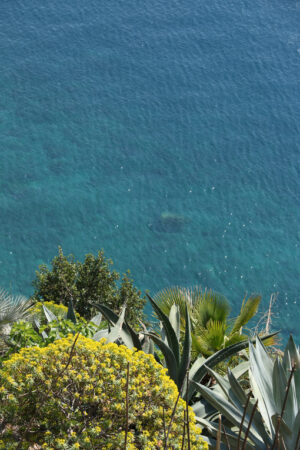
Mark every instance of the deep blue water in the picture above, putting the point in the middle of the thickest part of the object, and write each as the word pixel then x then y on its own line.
pixel 114 112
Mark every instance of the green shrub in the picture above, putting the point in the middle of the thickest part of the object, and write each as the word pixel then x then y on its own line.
pixel 90 281
pixel 74 396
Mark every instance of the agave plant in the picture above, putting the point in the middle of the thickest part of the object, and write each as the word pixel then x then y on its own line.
pixel 176 351
pixel 212 328
pixel 266 417
pixel 12 309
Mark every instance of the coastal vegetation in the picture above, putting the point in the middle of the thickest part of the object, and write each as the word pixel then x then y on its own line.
pixel 81 367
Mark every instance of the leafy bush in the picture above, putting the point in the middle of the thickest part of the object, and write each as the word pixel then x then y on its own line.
pixel 93 280
pixel 73 395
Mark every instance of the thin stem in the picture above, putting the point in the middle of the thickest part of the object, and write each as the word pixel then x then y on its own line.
pixel 187 411
pixel 183 436
pixel 127 402
pixel 226 437
pixel 242 422
pixel 171 421
pixel 164 424
pixel 283 407
pixel 218 444
pixel 173 415
pixel 249 425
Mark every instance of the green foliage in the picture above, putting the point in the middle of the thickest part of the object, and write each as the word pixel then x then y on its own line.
pixel 73 394
pixel 86 282
pixel 176 353
pixel 212 328
pixel 177 364
pixel 275 392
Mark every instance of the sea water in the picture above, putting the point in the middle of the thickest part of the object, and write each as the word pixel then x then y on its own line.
pixel 166 133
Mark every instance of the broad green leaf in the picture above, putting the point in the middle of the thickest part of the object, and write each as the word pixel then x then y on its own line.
pixel 218 357
pixel 232 438
pixel 174 318
pixel 170 359
pixel 116 330
pixel 186 352
pixel 100 334
pixel 169 330
pixel 112 318
pixel 229 411
pixel 96 320
pixel 262 381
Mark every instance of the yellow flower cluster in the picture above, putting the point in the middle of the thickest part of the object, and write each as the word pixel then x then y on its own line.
pixel 67 397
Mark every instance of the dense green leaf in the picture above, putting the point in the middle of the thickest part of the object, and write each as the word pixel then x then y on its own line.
pixel 169 356
pixel 169 330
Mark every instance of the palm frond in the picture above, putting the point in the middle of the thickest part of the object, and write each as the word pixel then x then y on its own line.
pixel 12 308
pixel 210 305
pixel 168 297
pixel 248 310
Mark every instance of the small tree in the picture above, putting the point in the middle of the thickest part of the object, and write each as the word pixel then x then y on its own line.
pixel 85 282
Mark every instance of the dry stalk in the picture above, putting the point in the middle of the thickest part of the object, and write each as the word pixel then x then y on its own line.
pixel 249 425
pixel 218 443
pixel 127 404
pixel 243 418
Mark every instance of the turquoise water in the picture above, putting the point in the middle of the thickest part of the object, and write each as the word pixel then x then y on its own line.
pixel 114 113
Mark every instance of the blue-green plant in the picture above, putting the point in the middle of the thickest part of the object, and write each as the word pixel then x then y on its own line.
pixel 175 352
pixel 268 415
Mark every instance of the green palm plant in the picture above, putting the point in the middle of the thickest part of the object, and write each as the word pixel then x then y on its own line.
pixel 12 309
pixel 211 327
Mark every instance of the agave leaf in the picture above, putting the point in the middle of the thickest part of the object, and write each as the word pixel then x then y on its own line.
pixel 170 359
pixel 169 330
pixel 296 426
pixel 112 318
pixel 100 334
pixel 236 392
pixel 196 366
pixel 279 379
pixel 216 358
pixel 203 409
pixel 186 352
pixel 96 320
pixel 116 330
pixel 174 318
pixel 71 313
pixel 248 310
pixel 232 438
pixel 262 381
pixel 50 316
pixel 228 410
pixel 294 353
pixel 240 369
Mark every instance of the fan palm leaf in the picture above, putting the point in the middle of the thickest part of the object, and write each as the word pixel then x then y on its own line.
pixel 12 308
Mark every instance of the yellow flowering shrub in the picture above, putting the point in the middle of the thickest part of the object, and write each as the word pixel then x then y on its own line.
pixel 68 397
